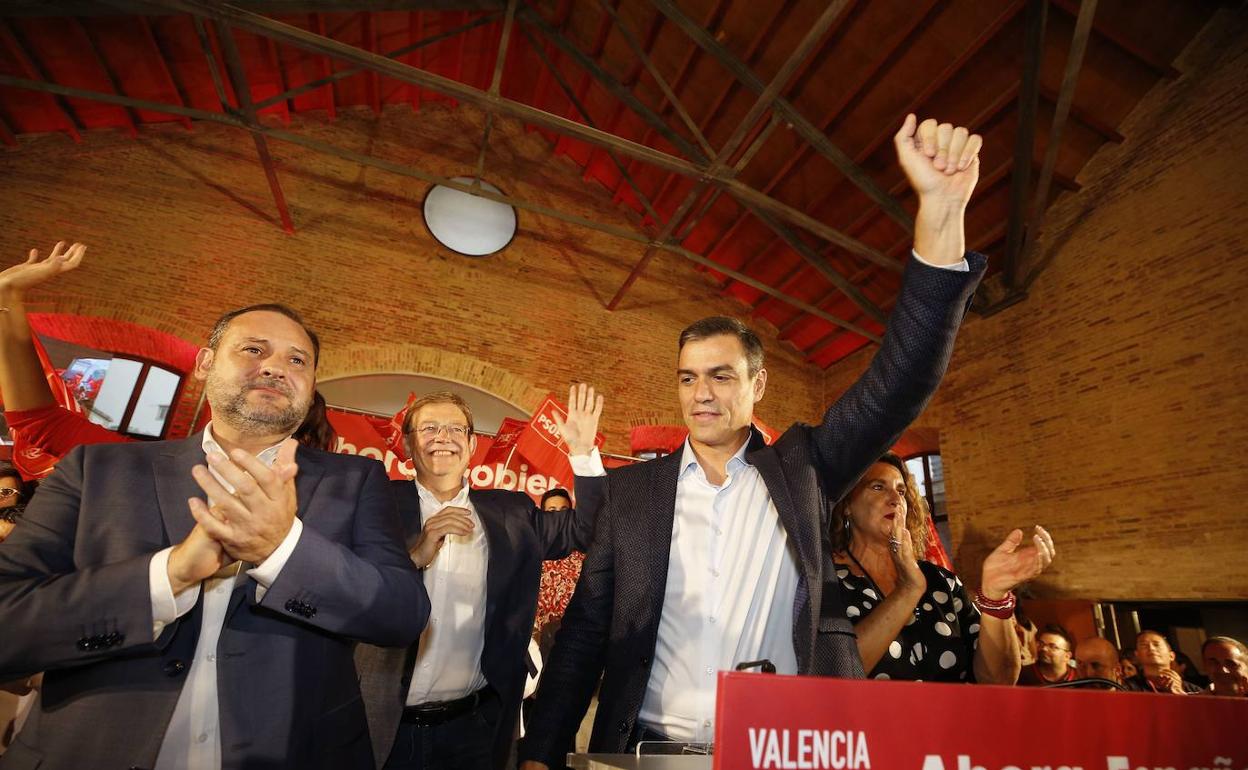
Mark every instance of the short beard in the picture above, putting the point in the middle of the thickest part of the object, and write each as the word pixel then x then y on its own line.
pixel 231 407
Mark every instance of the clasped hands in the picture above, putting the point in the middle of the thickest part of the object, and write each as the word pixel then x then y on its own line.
pixel 245 525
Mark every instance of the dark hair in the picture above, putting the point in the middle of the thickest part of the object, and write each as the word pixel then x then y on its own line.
pixel 1055 629
pixel 223 323
pixel 315 430
pixel 556 492
pixel 720 324
pixel 1157 634
pixel 24 488
pixel 916 511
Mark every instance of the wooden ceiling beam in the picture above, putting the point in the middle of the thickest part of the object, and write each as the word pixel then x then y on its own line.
pixel 496 85
pixel 420 43
pixel 158 48
pixel 58 105
pixel 801 125
pixel 87 8
pixel 887 56
pixel 1149 58
pixel 242 92
pixel 584 113
pixel 307 40
pixel 408 171
pixel 130 116
pixel 1025 139
pixel 1070 78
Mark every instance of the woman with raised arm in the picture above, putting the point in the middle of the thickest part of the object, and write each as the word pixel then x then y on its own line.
pixel 29 406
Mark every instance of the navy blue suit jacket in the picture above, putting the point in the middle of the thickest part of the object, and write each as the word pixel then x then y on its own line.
pixel 519 537
pixel 75 602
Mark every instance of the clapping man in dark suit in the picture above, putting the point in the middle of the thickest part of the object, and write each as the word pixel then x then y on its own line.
pixel 717 554
pixel 195 603
pixel 452 701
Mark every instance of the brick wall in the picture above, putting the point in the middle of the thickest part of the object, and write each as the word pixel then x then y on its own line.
pixel 182 226
pixel 1109 403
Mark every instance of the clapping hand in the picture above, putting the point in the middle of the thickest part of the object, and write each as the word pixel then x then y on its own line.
pixel 253 521
pixel 1011 563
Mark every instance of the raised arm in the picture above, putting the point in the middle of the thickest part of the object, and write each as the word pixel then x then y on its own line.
pixel 1009 565
pixel 562 532
pixel 942 164
pixel 22 382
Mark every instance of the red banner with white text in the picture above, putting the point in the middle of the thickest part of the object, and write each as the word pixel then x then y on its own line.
pixel 768 722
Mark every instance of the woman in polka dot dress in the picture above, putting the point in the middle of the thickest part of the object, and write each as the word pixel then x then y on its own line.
pixel 914 619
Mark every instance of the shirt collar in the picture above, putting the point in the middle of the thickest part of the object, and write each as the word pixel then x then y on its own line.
pixel 429 499
pixel 209 444
pixel 689 461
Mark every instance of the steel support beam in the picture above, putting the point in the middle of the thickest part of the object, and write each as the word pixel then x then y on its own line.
pixel 414 173
pixel 801 125
pixel 1070 77
pixel 242 91
pixel 1025 140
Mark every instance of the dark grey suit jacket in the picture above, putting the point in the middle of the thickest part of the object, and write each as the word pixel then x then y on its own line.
pixel 75 602
pixel 611 626
pixel 519 537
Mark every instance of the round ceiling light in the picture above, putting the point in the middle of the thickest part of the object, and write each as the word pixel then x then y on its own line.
pixel 469 224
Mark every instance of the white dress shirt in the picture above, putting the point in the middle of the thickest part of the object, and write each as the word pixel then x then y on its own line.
pixel 448 661
pixel 731 587
pixel 193 739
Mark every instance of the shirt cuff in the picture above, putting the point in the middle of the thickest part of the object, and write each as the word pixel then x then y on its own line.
pixel 588 465
pixel 166 607
pixel 961 266
pixel 267 571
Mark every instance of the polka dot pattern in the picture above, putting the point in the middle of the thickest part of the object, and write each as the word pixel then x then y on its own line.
pixel 938 640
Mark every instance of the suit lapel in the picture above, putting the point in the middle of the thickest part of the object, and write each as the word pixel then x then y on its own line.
pixel 801 529
pixel 174 485
pixel 660 515
pixel 498 550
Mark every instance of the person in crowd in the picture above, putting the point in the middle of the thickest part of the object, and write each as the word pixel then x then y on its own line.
pixel 452 701
pixel 29 403
pixel 1098 659
pixel 1188 670
pixel 14 494
pixel 1226 663
pixel 16 698
pixel 1155 659
pixel 913 619
pixel 735 566
pixel 202 598
pixel 556 500
pixel 1026 631
pixel 1055 649
pixel 1127 661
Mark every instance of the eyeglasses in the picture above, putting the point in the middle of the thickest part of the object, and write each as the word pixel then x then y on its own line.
pixel 433 429
pixel 1051 646
pixel 8 491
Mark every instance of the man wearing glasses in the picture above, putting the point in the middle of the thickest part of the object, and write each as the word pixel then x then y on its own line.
pixel 1053 653
pixel 452 700
pixel 11 499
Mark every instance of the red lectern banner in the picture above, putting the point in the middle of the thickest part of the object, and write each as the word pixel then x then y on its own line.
pixel 767 722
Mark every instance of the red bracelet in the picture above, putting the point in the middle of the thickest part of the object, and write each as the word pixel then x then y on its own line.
pixel 998 608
